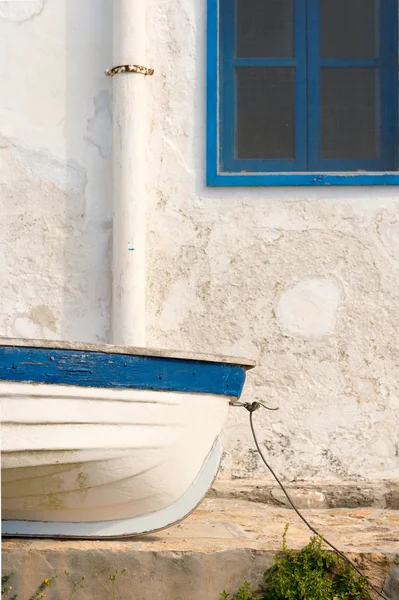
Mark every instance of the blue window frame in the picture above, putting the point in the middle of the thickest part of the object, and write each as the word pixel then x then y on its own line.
pixel 296 106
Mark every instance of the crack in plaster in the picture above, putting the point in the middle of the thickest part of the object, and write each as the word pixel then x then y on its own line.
pixel 99 126
pixel 387 229
pixel 176 151
pixel 40 166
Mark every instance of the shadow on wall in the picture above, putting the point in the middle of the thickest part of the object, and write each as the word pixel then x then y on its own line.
pixel 88 137
pixel 55 169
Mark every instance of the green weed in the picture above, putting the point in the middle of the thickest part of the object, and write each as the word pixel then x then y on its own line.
pixel 313 573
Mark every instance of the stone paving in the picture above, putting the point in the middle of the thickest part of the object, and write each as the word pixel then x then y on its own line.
pixel 222 543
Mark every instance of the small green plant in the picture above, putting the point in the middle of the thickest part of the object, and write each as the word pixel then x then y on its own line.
pixel 6 588
pixel 76 584
pixel 113 579
pixel 40 592
pixel 244 593
pixel 313 573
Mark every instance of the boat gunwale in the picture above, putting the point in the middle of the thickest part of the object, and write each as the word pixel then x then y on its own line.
pixel 247 364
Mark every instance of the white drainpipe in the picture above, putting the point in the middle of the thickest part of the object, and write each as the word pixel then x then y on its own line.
pixel 129 158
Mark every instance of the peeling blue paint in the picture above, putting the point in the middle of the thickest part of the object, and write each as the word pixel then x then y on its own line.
pixel 108 370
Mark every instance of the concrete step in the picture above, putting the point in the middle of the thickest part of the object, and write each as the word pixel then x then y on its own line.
pixel 314 494
pixel 223 543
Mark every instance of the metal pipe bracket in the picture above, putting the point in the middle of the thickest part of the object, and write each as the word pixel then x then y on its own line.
pixel 129 69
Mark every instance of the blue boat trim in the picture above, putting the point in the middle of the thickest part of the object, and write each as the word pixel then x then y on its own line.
pixel 119 371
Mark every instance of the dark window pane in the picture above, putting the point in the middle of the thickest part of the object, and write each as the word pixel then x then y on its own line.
pixel 265 112
pixel 348 28
pixel 349 105
pixel 265 28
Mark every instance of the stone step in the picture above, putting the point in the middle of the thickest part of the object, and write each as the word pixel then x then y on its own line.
pixel 315 494
pixel 223 543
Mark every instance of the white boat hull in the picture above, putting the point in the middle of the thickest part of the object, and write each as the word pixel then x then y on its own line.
pixel 119 528
pixel 82 461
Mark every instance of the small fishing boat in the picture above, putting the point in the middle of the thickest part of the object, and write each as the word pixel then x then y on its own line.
pixel 108 441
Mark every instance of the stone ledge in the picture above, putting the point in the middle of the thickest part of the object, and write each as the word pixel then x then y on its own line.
pixel 318 495
pixel 223 543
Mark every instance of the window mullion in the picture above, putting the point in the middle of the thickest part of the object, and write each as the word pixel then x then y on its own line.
pixel 313 84
pixel 300 85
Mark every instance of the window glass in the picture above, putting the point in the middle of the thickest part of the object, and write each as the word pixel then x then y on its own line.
pixel 265 112
pixel 348 113
pixel 265 28
pixel 348 28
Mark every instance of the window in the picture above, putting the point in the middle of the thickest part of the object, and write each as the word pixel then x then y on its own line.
pixel 302 92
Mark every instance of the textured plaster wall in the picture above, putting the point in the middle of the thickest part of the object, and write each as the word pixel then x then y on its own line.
pixel 55 146
pixel 306 281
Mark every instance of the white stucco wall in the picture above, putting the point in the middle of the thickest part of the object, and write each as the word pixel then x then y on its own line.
pixel 306 281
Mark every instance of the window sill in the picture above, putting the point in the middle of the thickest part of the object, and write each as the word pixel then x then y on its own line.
pixel 300 179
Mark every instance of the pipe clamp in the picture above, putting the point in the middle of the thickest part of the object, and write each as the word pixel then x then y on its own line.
pixel 129 69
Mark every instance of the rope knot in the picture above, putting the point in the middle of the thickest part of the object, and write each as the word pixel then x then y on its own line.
pixel 252 406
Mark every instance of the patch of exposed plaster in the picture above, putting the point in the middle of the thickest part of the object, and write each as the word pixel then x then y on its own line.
pixel 44 316
pixel 55 263
pixel 21 11
pixel 310 307
pixel 99 126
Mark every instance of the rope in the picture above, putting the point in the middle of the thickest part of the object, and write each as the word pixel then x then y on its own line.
pixel 251 407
